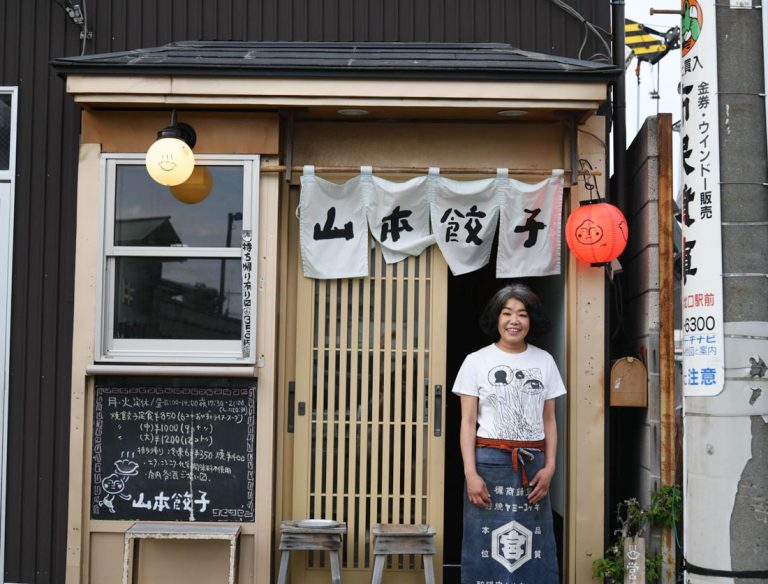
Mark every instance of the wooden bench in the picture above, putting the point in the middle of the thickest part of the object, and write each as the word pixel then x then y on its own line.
pixel 311 535
pixel 391 539
pixel 179 531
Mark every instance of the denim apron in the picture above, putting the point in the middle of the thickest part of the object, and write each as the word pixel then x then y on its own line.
pixel 513 542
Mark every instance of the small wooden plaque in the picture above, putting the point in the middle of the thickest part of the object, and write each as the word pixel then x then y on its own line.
pixel 629 383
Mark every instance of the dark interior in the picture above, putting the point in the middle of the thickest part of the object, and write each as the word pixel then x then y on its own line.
pixel 467 296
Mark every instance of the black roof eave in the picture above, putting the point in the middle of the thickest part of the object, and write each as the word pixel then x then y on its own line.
pixel 486 74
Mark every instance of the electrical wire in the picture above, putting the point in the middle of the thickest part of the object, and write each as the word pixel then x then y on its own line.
pixel 84 29
pixel 595 136
pixel 600 57
pixel 589 27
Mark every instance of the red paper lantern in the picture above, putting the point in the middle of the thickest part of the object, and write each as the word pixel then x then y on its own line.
pixel 596 232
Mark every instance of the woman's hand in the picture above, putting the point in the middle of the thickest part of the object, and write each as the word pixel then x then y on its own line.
pixel 540 484
pixel 477 492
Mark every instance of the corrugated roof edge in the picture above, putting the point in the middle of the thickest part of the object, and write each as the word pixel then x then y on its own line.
pixel 486 61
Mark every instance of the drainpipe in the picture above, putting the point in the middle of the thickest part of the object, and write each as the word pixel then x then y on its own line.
pixel 618 196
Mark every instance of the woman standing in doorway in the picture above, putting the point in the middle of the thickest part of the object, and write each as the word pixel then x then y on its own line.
pixel 508 441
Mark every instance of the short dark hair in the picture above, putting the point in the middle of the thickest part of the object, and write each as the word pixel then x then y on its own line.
pixel 489 319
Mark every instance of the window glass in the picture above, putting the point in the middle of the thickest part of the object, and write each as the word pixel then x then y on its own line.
pixel 5 130
pixel 175 298
pixel 147 213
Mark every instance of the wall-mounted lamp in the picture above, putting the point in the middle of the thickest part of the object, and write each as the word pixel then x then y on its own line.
pixel 170 160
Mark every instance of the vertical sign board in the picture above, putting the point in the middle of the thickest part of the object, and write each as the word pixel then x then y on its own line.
pixel 180 453
pixel 702 291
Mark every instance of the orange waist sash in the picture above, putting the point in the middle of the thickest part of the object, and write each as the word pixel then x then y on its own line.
pixel 515 447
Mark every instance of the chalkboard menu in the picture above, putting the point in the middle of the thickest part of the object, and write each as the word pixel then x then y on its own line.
pixel 173 453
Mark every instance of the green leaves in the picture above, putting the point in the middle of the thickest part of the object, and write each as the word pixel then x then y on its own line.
pixel 665 510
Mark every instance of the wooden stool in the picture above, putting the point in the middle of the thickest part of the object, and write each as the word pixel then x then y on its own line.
pixel 391 539
pixel 311 534
pixel 163 531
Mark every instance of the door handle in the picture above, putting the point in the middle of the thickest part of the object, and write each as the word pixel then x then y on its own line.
pixel 438 427
pixel 291 404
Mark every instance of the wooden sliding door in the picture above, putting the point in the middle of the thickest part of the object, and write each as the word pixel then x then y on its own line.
pixel 370 397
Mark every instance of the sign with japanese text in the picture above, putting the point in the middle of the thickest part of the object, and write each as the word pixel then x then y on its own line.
pixel 173 453
pixel 464 218
pixel 405 218
pixel 249 297
pixel 333 228
pixel 702 290
pixel 530 229
pixel 398 215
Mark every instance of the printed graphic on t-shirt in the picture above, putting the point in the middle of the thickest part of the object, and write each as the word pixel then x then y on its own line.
pixel 517 396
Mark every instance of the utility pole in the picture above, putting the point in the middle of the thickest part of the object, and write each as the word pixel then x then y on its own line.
pixel 725 409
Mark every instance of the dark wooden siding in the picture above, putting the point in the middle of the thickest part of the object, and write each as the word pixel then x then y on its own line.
pixel 44 236
pixel 533 25
pixel 43 267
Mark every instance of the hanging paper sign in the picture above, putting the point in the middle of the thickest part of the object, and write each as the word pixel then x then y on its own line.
pixel 530 229
pixel 398 215
pixel 246 248
pixel 702 290
pixel 332 228
pixel 464 218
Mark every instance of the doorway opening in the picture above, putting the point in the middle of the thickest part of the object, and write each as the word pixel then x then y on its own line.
pixel 467 296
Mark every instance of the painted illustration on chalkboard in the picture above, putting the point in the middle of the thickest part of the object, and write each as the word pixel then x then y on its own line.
pixel 114 484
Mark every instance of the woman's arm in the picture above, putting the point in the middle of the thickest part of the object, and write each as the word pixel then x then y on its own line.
pixel 477 492
pixel 543 478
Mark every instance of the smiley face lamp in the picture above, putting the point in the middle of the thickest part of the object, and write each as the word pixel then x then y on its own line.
pixel 170 160
pixel 596 232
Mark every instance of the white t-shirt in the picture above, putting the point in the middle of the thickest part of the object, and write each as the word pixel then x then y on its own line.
pixel 511 389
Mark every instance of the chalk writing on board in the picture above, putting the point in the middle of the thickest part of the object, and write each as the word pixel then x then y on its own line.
pixel 169 453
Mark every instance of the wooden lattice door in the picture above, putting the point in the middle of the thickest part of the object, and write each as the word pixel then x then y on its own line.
pixel 370 394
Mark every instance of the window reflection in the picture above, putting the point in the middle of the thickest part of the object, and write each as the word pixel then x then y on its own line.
pixel 171 298
pixel 147 214
pixel 5 131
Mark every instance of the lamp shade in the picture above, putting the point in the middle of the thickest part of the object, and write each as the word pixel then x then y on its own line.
pixel 596 232
pixel 170 161
pixel 196 188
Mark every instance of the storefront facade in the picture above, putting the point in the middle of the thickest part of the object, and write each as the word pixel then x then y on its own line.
pixel 348 379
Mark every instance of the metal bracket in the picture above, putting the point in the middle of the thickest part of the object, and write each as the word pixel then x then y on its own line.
pixel 75 13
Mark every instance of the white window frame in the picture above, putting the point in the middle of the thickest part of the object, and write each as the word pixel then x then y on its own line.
pixel 112 350
pixel 7 178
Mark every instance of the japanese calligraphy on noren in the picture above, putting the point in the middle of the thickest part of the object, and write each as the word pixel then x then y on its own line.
pixel 530 229
pixel 465 218
pixel 405 218
pixel 702 291
pixel 470 222
pixel 173 454
pixel 329 231
pixel 333 228
pixel 398 215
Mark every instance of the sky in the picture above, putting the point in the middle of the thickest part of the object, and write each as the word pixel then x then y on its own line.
pixel 640 104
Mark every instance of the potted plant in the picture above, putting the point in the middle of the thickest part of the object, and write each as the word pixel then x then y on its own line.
pixel 626 561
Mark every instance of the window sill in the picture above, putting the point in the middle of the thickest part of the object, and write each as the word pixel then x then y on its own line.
pixel 172 370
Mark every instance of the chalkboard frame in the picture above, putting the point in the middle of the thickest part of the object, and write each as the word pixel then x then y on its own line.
pixel 183 388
